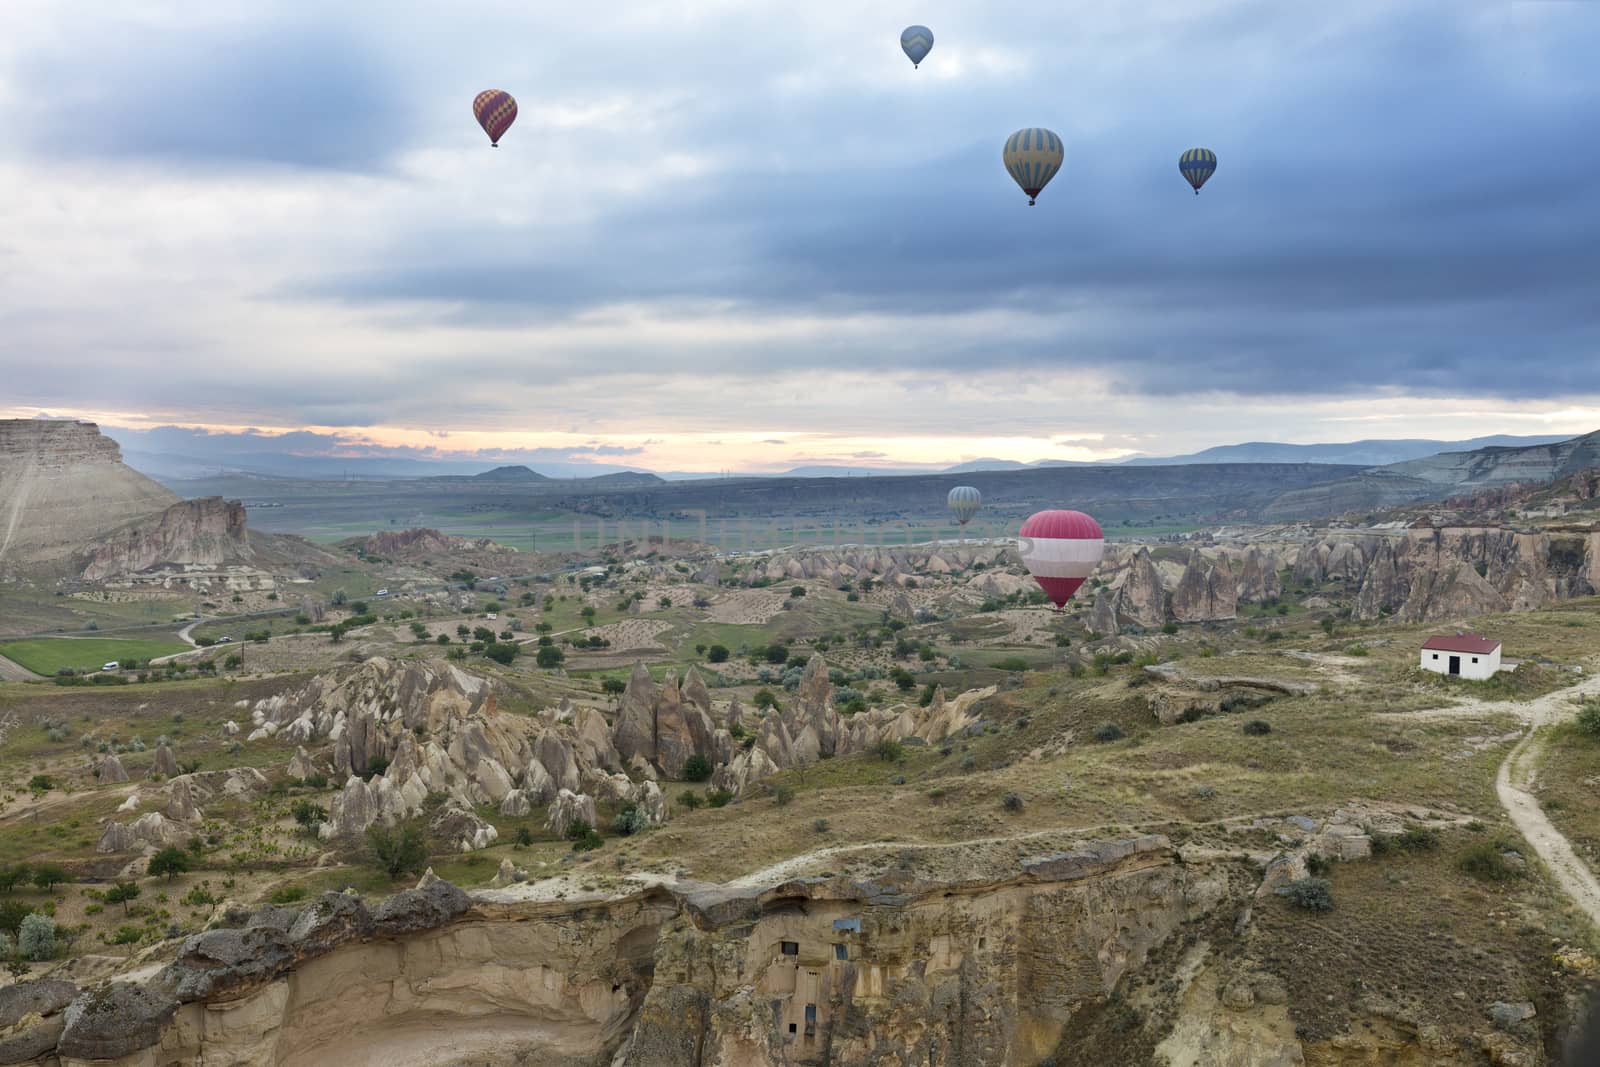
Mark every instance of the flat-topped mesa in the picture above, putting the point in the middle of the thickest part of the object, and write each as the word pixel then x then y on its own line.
pixel 56 445
pixel 63 485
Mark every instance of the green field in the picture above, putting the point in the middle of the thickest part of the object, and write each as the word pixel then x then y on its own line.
pixel 46 655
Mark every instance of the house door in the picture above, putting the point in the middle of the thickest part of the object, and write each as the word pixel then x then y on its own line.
pixel 1455 664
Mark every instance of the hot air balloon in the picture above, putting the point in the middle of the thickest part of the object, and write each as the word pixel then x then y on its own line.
pixel 495 110
pixel 964 502
pixel 1032 157
pixel 1060 550
pixel 1196 165
pixel 916 42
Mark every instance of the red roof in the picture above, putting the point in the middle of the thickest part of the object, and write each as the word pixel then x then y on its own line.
pixel 1471 643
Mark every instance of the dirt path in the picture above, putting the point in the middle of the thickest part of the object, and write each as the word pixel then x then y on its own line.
pixel 1516 772
pixel 12 671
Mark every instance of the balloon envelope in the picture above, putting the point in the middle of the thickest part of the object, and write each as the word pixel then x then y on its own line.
pixel 1196 165
pixel 495 110
pixel 964 502
pixel 916 42
pixel 1061 549
pixel 1032 158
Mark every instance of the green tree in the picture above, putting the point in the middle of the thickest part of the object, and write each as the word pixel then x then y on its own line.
pixel 13 876
pixel 122 893
pixel 48 875
pixel 169 863
pixel 36 937
pixel 40 784
pixel 614 686
pixel 401 850
pixel 550 656
pixel 764 699
pixel 697 769
pixel 717 654
pixel 502 652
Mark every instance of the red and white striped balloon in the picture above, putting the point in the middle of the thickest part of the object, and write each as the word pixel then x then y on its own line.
pixel 1061 549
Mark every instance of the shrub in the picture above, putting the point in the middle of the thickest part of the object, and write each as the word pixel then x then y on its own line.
pixel 376 765
pixel 765 699
pixel 1011 664
pixel 1257 727
pixel 309 815
pixel 691 800
pixel 524 837
pixel 719 798
pixel 1311 894
pixel 1011 802
pixel 821 826
pixel 11 877
pixel 288 894
pixel 783 795
pixel 697 769
pixel 1169 628
pixel 613 686
pixel 1589 718
pixel 169 863
pixel 1417 839
pixel 889 750
pixel 629 821
pixel 1108 731
pixel 550 656
pixel 1487 860
pixel 717 654
pixel 41 783
pixel 401 850
pixel 503 652
pixel 586 841
pixel 36 937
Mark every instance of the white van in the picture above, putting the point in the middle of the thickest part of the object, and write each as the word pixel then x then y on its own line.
pixel 112 666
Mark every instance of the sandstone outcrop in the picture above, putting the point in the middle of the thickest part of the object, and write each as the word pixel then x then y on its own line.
pixel 436 731
pixel 663 725
pixel 1141 596
pixel 1207 591
pixel 205 532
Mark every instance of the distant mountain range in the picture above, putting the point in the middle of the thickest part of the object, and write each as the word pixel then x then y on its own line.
pixel 172 454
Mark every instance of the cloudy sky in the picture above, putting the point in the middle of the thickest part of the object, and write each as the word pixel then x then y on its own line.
pixel 731 234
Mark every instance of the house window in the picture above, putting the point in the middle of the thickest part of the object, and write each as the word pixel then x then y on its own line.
pixel 841 952
pixel 811 1014
pixel 1474 659
pixel 1436 655
pixel 851 925
pixel 983 942
pixel 793 1028
pixel 789 948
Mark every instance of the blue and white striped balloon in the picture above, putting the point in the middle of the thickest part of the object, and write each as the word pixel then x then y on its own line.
pixel 916 42
pixel 964 502
pixel 1032 157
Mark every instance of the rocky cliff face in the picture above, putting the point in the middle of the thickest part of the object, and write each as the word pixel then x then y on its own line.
pixel 208 532
pixel 62 484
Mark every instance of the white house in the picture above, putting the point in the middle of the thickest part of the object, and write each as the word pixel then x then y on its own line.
pixel 1464 655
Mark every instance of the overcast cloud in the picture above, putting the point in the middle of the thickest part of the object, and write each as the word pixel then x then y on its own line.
pixel 755 224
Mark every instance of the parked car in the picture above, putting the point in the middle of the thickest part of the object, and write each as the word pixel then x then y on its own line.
pixel 224 640
pixel 112 666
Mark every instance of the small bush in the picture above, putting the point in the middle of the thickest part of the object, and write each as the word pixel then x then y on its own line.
pixel 697 769
pixel 691 800
pixel 889 750
pixel 288 894
pixel 719 798
pixel 1311 894
pixel 1107 732
pixel 400 850
pixel 1486 860
pixel 1011 802
pixel 1589 718
pixel 588 841
pixel 629 821
pixel 783 795
pixel 1417 839
pixel 1258 727
pixel 524 837
pixel 821 826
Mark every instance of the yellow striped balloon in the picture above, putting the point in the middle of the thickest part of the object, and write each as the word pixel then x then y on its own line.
pixel 1032 158
pixel 1196 165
